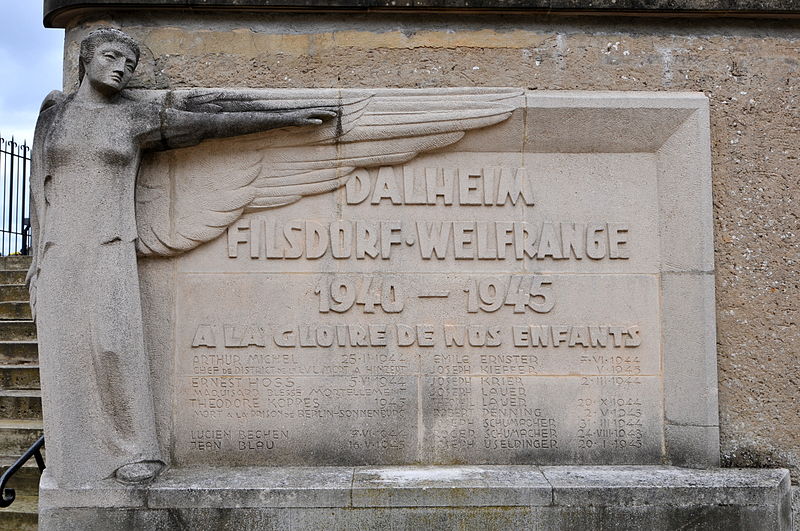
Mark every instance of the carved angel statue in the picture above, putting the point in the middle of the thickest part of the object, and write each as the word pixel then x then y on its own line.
pixel 91 216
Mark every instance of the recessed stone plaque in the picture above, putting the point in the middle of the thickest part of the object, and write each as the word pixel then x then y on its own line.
pixel 538 291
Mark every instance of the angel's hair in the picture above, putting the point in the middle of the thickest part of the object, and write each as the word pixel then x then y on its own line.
pixel 98 37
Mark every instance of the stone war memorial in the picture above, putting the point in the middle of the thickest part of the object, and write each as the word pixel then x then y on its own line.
pixel 336 265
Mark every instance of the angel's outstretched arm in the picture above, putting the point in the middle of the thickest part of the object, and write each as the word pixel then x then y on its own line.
pixel 181 128
pixel 182 120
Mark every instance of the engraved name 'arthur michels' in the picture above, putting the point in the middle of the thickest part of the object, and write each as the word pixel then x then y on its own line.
pixel 268 238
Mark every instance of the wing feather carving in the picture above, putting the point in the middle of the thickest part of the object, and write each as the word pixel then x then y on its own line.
pixel 190 196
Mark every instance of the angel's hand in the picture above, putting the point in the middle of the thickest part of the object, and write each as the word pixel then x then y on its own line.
pixel 314 116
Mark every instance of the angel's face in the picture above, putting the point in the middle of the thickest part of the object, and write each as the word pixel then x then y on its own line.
pixel 111 67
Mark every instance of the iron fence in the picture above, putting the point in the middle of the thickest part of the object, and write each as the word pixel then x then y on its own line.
pixel 15 167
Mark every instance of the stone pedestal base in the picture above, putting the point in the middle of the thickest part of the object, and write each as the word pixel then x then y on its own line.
pixel 458 497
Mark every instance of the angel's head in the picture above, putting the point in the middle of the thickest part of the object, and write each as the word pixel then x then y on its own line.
pixel 107 60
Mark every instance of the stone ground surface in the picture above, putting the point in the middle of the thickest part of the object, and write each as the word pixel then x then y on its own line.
pixel 747 68
pixel 20 407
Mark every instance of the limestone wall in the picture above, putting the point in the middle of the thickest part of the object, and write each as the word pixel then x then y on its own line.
pixel 748 68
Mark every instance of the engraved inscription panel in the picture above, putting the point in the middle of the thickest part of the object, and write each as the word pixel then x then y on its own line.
pixel 463 307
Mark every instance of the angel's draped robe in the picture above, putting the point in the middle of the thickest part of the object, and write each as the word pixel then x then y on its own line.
pixel 97 401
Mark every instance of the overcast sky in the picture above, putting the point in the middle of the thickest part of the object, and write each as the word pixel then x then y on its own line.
pixel 30 65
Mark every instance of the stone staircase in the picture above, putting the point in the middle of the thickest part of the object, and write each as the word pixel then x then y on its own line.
pixel 20 397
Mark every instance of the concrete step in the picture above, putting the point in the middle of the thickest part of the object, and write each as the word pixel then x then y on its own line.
pixel 19 352
pixel 21 516
pixel 14 292
pixel 15 262
pixel 12 276
pixel 19 376
pixel 20 404
pixel 15 310
pixel 17 435
pixel 17 330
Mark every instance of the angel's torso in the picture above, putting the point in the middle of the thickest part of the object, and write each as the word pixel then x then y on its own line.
pixel 91 156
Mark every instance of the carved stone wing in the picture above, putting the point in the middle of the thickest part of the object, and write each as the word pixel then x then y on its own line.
pixel 189 196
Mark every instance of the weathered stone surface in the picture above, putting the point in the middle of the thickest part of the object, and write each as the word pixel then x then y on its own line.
pixel 482 486
pixel 312 487
pixel 107 493
pixel 662 485
pixel 490 306
pixel 468 497
pixel 466 362
pixel 755 214
pixel 410 519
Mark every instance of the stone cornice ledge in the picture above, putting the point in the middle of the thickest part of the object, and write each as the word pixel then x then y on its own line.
pixel 57 12
pixel 659 498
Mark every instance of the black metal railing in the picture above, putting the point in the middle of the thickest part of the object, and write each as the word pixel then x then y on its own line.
pixel 15 167
pixel 7 496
